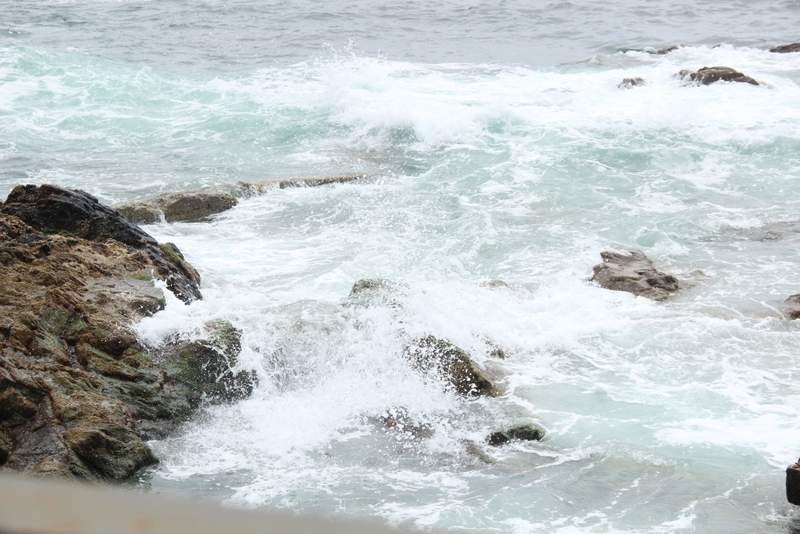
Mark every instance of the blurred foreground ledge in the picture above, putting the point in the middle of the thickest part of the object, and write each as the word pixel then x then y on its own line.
pixel 37 506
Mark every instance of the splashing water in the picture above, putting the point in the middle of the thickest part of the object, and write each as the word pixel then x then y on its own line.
pixel 661 417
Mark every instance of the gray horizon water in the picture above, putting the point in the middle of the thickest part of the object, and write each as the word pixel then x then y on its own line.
pixel 498 147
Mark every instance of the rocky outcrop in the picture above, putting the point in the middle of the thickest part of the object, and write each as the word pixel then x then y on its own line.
pixel 630 83
pixel 51 209
pixel 786 49
pixel 709 75
pixel 191 206
pixel 529 432
pixel 441 359
pixel 633 272
pixel 793 483
pixel 200 205
pixel 79 394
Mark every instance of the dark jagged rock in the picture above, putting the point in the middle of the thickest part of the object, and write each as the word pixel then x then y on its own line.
pixel 633 272
pixel 786 49
pixel 791 307
pixel 433 356
pixel 527 432
pixel 52 209
pixel 709 75
pixel 630 83
pixel 793 483
pixel 79 394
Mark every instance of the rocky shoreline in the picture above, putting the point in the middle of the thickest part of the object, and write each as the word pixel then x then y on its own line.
pixel 80 395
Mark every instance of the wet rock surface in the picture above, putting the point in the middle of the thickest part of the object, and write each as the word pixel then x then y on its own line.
pixel 529 432
pixel 434 356
pixel 52 209
pixel 709 75
pixel 793 483
pixel 191 206
pixel 79 394
pixel 791 307
pixel 633 272
pixel 786 49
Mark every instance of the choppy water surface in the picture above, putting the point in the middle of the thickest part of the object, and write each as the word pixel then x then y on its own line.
pixel 498 147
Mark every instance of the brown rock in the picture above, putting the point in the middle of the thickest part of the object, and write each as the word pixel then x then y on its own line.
pixel 79 394
pixel 709 75
pixel 786 49
pixel 633 272
pixel 440 358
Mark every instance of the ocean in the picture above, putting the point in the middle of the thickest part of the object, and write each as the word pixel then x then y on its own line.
pixel 497 145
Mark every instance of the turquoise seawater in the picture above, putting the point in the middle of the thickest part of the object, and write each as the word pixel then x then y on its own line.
pixel 497 146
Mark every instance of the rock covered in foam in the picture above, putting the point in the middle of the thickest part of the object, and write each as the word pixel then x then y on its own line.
pixel 434 356
pixel 709 75
pixel 208 364
pixel 630 83
pixel 632 271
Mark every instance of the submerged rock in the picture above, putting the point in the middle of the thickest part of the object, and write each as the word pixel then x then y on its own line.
pixel 633 272
pixel 709 75
pixel 786 49
pixel 431 355
pixel 650 50
pixel 79 394
pixel 792 307
pixel 772 231
pixel 529 432
pixel 256 188
pixel 52 209
pixel 191 206
pixel 398 420
pixel 630 83
pixel 793 483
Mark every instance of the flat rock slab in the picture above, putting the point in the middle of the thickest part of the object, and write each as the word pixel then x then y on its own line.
pixel 786 49
pixel 709 75
pixel 200 205
pixel 191 206
pixel 635 273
